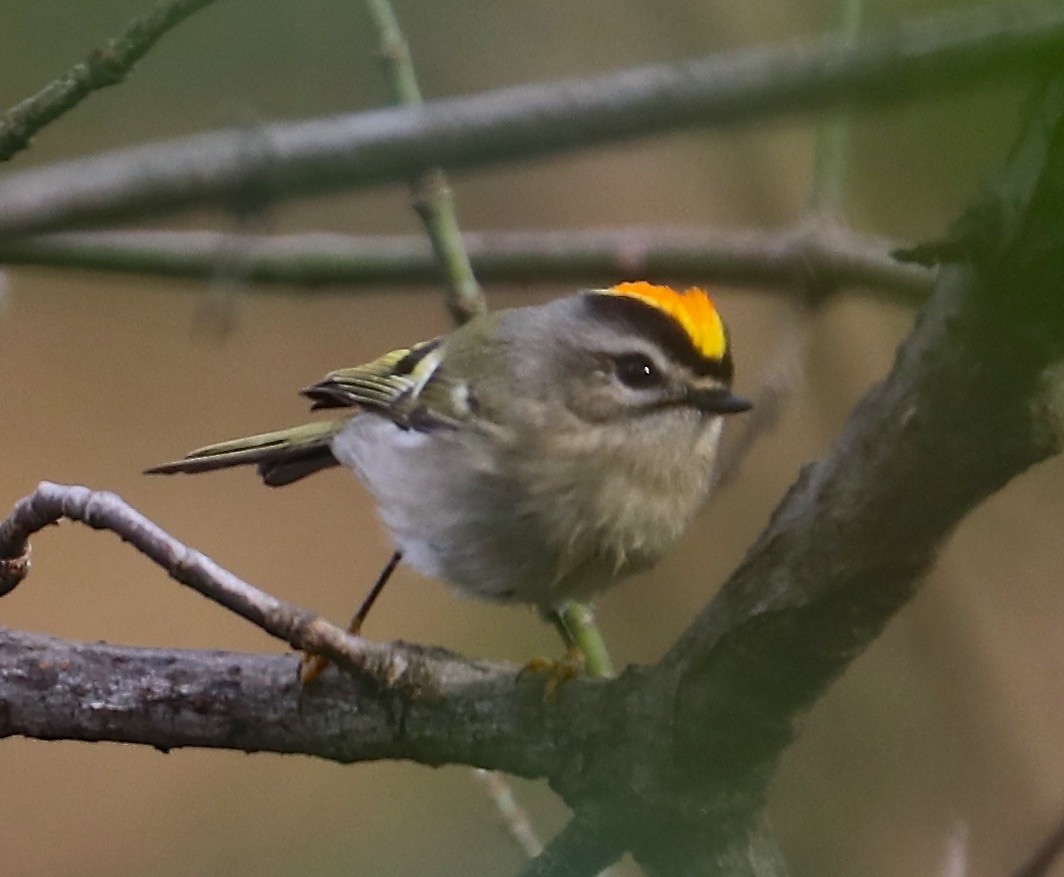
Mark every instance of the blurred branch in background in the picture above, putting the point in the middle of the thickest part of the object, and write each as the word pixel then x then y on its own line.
pixel 435 205
pixel 103 67
pixel 513 816
pixel 831 151
pixel 827 256
pixel 955 859
pixel 923 57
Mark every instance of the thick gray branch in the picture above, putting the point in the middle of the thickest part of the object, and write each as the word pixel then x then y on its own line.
pixel 393 145
pixel 827 258
pixel 455 711
pixel 976 397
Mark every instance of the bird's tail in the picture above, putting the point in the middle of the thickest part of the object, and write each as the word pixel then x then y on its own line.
pixel 281 457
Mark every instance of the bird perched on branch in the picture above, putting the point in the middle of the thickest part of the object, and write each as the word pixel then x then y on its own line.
pixel 534 455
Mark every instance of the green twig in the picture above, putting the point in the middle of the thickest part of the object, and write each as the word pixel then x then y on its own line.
pixel 433 197
pixel 104 67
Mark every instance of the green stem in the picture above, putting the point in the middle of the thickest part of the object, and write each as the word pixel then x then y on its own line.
pixel 433 198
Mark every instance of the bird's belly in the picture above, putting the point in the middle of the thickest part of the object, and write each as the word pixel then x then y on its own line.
pixel 449 510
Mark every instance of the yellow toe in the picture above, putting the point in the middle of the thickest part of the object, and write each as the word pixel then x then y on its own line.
pixel 557 671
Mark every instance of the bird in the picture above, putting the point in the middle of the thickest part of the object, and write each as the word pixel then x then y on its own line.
pixel 533 455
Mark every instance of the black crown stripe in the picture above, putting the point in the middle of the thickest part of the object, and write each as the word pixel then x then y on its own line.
pixel 632 314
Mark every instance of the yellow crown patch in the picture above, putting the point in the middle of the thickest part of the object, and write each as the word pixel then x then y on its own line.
pixel 692 309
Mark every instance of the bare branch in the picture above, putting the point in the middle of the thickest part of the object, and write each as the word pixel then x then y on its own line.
pixel 104 67
pixel 825 257
pixel 852 540
pixel 854 537
pixel 513 816
pixel 106 511
pixel 458 712
pixel 330 154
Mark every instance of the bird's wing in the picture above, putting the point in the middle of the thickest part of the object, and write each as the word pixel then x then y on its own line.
pixel 405 385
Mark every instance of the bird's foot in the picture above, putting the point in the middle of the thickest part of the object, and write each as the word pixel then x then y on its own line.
pixel 557 671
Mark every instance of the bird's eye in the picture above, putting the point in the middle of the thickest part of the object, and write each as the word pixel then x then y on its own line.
pixel 637 371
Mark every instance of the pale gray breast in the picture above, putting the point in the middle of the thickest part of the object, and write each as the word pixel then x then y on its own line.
pixel 449 509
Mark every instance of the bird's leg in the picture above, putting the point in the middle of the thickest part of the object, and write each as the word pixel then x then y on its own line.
pixel 311 667
pixel 560 670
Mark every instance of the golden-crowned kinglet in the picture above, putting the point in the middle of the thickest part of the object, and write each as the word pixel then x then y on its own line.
pixel 534 455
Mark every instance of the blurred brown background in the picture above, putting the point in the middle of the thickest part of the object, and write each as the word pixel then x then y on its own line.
pixel 951 719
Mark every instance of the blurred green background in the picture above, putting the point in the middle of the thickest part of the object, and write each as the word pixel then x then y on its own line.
pixel 952 718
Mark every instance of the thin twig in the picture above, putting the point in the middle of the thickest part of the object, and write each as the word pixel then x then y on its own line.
pixel 829 257
pixel 104 67
pixel 105 511
pixel 920 57
pixel 955 860
pixel 514 817
pixel 433 197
